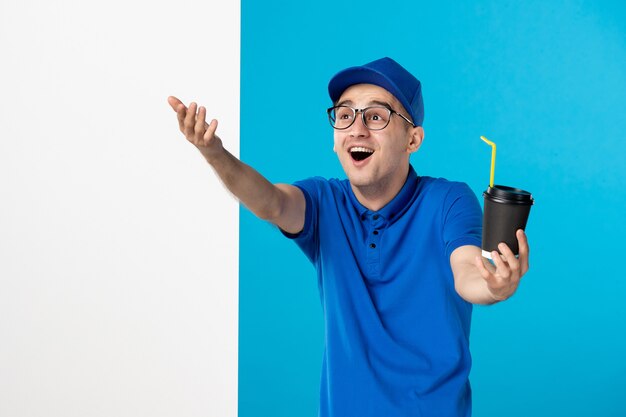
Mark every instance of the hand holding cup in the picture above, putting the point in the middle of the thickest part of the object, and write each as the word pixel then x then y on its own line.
pixel 503 276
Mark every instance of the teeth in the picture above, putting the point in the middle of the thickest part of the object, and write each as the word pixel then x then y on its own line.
pixel 360 149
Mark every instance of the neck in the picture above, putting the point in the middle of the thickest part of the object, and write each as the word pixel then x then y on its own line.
pixel 376 196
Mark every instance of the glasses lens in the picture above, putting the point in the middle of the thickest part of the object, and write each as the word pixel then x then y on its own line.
pixel 341 117
pixel 376 118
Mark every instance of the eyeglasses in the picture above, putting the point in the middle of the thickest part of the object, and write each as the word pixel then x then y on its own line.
pixel 374 118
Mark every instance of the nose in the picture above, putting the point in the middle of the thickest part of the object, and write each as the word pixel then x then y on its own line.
pixel 358 128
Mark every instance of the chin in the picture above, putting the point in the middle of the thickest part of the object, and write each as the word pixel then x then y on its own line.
pixel 359 179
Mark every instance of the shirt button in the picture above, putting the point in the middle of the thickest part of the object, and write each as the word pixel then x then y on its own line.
pixel 372 245
pixel 376 216
pixel 375 232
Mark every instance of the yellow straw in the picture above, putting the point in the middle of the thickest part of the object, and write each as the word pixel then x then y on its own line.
pixel 493 159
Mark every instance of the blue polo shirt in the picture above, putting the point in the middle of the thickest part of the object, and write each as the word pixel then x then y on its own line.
pixel 396 331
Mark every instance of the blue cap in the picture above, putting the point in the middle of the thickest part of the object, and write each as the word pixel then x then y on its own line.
pixel 388 74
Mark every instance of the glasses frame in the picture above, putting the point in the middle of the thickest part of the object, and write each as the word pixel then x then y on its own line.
pixel 363 110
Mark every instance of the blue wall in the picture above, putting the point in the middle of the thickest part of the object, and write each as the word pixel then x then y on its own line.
pixel 547 82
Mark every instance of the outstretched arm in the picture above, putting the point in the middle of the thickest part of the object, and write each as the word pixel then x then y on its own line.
pixel 281 204
pixel 480 282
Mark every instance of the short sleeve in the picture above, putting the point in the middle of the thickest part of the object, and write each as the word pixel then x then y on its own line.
pixel 462 218
pixel 307 238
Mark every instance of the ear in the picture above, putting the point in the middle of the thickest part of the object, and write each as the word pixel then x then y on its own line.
pixel 416 136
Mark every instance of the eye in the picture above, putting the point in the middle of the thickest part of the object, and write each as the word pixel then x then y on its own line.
pixel 343 113
pixel 377 114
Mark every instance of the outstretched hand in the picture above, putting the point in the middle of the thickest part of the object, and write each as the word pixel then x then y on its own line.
pixel 504 277
pixel 195 128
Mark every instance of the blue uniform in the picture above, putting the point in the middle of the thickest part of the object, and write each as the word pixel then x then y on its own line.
pixel 396 331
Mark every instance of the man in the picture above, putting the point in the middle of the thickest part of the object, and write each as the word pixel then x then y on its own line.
pixel 397 255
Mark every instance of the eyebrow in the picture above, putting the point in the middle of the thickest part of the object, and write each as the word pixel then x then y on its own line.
pixel 381 103
pixel 378 102
pixel 344 103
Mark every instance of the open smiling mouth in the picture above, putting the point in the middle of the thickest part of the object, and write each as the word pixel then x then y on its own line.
pixel 360 153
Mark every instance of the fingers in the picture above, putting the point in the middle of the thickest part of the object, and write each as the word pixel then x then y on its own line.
pixel 210 132
pixel 524 251
pixel 503 278
pixel 201 125
pixel 494 283
pixel 499 282
pixel 502 269
pixel 174 102
pixel 181 112
pixel 484 272
pixel 204 131
pixel 180 109
pixel 190 121
pixel 194 126
pixel 511 260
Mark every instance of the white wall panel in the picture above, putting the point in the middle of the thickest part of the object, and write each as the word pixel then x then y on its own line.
pixel 118 246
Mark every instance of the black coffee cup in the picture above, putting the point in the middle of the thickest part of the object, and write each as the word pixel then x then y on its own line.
pixel 506 211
